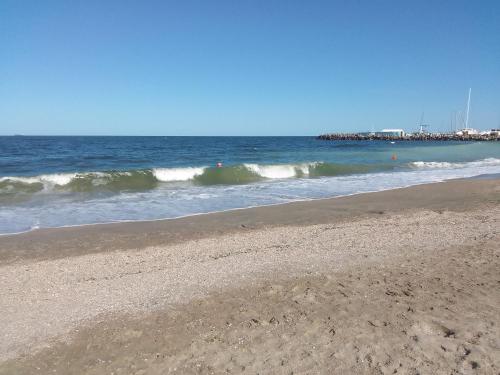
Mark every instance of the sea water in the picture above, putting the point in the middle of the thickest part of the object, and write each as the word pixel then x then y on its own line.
pixel 63 181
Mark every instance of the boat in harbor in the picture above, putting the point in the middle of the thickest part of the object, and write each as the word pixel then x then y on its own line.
pixel 466 131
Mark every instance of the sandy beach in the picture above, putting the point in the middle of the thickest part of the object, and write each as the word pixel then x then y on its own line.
pixel 403 281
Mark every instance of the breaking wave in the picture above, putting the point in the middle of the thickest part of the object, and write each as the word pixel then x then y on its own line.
pixel 151 178
pixel 489 162
pixel 177 174
pixel 16 188
pixel 149 194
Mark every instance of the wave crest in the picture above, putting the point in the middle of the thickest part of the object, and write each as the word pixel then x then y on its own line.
pixel 177 174
pixel 489 162
pixel 15 188
pixel 280 170
pixel 151 178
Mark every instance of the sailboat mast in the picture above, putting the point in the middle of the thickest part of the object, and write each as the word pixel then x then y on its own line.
pixel 468 106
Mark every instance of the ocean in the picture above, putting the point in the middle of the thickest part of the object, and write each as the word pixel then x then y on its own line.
pixel 66 181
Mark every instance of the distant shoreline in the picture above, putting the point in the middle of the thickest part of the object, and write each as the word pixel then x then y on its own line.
pixel 410 137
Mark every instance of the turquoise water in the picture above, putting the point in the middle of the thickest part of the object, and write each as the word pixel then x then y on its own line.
pixel 59 181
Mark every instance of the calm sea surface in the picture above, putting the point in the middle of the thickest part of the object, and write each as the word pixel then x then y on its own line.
pixel 59 181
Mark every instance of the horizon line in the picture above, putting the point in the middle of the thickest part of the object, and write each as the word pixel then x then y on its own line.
pixel 135 135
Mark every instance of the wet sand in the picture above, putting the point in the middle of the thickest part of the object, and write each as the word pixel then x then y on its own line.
pixel 456 195
pixel 405 281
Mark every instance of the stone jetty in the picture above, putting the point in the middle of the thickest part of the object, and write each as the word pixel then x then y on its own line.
pixel 409 137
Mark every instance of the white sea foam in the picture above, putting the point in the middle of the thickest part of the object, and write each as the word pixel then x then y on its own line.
pixel 489 162
pixel 177 174
pixel 432 164
pixel 47 179
pixel 278 171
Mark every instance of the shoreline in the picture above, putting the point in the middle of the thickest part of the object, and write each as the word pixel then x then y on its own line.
pixel 18 220
pixel 353 264
pixel 486 177
pixel 53 243
pixel 37 229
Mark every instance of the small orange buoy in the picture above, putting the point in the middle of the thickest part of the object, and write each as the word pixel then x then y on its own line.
pixel 394 157
pixel 219 165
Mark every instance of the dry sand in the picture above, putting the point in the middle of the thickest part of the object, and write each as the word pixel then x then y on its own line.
pixel 413 287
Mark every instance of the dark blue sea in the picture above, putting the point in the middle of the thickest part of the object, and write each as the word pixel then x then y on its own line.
pixel 62 181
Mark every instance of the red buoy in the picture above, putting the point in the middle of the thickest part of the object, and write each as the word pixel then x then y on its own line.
pixel 394 157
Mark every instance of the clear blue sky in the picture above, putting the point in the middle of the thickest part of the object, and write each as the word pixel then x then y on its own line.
pixel 245 67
